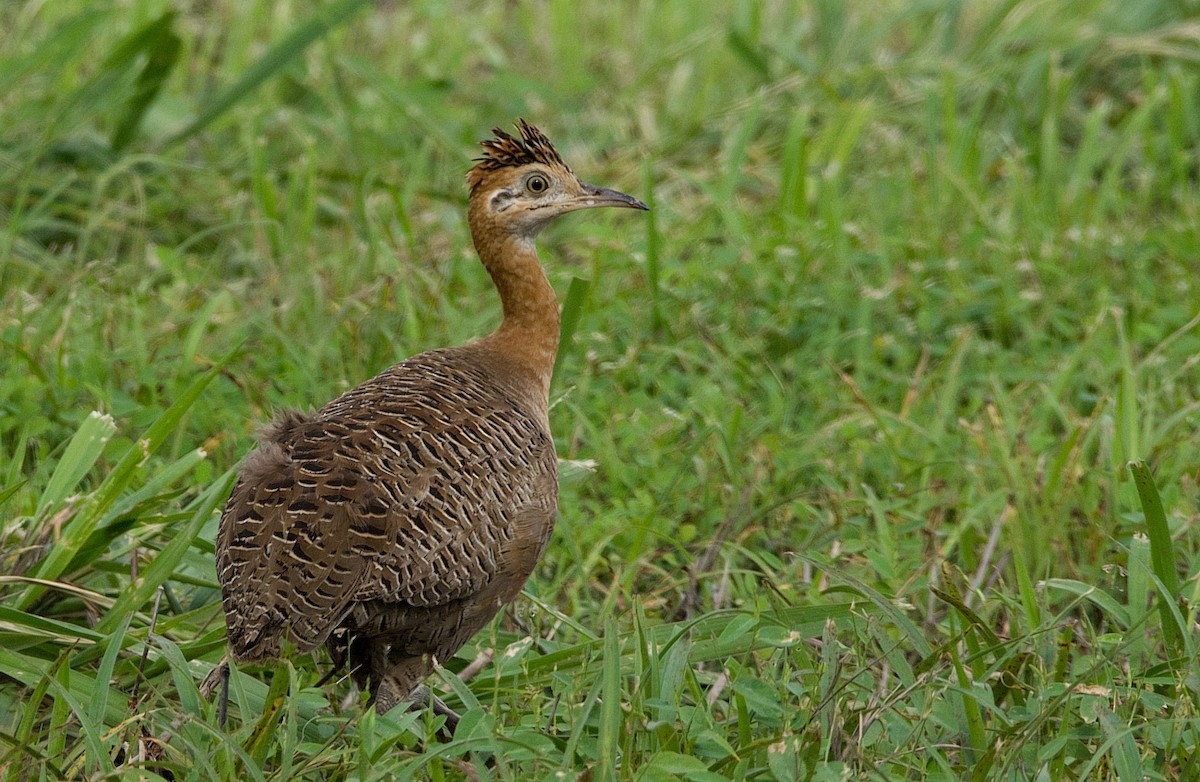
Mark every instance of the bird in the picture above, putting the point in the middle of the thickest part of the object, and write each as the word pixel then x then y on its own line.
pixel 393 523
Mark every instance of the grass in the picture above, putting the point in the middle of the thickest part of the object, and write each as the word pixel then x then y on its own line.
pixel 880 440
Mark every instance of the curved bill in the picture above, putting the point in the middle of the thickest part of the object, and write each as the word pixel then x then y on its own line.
pixel 602 196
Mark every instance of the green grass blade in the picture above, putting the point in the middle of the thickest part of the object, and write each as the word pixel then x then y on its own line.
pixel 163 565
pixel 80 456
pixel 162 481
pixel 161 46
pixel 653 249
pixel 22 626
pixel 1126 757
pixel 1140 569
pixel 610 705
pixel 1025 581
pixel 56 50
pixel 1177 632
pixel 709 638
pixel 268 724
pixel 969 703
pixel 30 670
pixel 97 757
pixel 887 606
pixel 21 739
pixel 572 313
pixel 271 63
pixel 59 679
pixel 82 526
pixel 1162 550
pixel 1111 607
pixel 1127 414
pixel 8 493
pixel 1162 553
pixel 115 640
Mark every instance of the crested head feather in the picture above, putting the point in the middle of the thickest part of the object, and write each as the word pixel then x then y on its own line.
pixel 507 151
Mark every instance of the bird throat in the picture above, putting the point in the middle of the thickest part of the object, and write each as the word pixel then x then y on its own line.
pixel 528 336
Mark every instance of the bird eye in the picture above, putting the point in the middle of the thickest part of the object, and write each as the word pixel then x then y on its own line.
pixel 537 184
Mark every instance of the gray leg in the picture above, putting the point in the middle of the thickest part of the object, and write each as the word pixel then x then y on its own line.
pixel 424 697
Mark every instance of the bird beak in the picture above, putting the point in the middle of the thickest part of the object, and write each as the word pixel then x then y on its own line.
pixel 601 196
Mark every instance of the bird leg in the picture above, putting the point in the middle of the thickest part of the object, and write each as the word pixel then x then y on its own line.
pixel 223 706
pixel 400 682
pixel 424 697
pixel 218 676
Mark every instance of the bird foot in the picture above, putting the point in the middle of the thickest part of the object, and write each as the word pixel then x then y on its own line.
pixel 424 697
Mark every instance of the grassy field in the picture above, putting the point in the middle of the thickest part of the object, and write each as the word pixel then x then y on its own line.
pixel 881 456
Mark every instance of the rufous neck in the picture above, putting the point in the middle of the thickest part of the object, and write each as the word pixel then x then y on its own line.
pixel 528 336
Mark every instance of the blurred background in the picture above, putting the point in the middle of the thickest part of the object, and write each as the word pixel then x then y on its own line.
pixel 919 280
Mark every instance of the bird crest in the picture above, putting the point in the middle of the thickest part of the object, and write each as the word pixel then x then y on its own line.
pixel 506 150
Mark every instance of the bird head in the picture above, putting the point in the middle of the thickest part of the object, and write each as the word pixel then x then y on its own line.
pixel 521 184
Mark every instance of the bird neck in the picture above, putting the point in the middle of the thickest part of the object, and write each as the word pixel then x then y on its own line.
pixel 528 337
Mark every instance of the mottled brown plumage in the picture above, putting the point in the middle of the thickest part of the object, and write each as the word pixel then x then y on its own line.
pixel 394 522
